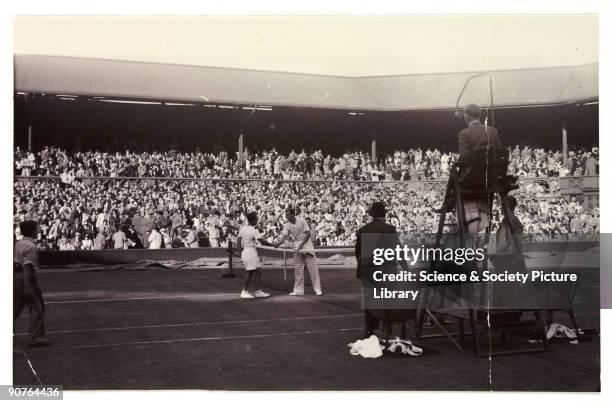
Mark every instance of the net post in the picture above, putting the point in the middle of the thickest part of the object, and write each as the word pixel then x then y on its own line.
pixel 285 269
pixel 230 267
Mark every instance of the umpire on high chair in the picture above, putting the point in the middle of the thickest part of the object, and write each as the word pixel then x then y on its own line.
pixel 474 137
pixel 26 290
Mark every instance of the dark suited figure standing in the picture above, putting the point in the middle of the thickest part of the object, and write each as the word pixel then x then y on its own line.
pixel 26 290
pixel 387 237
pixel 474 137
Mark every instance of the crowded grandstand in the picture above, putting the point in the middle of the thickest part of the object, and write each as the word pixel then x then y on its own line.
pixel 200 199
pixel 412 164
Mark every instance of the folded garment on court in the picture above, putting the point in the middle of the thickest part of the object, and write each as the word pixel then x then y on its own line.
pixel 367 348
pixel 405 347
pixel 560 331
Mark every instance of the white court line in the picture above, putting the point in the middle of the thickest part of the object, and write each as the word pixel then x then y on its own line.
pixel 30 365
pixel 205 323
pixel 127 299
pixel 195 339
pixel 142 298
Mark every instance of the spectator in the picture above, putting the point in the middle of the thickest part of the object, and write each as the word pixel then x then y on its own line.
pixel 119 239
pixel 190 240
pixel 167 240
pixel 591 165
pixel 155 238
pixel 133 241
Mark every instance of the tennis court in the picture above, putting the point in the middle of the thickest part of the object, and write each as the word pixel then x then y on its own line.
pixel 164 328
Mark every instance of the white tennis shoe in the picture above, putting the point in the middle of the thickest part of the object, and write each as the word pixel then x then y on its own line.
pixel 261 293
pixel 246 295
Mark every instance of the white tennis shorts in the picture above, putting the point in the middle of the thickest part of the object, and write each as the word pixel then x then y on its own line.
pixel 250 259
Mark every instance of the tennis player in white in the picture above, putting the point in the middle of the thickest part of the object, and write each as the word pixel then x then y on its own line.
pixel 304 254
pixel 248 236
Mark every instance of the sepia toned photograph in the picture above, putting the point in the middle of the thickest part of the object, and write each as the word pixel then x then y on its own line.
pixel 209 202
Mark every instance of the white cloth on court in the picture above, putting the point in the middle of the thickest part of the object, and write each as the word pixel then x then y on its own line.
pixel 560 331
pixel 367 348
pixel 404 347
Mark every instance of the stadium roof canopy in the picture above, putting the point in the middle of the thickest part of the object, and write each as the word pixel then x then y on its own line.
pixel 399 63
pixel 134 80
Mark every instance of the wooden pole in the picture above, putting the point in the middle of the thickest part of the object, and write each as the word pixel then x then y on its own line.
pixel 29 99
pixel 564 142
pixel 241 150
pixel 374 150
pixel 30 136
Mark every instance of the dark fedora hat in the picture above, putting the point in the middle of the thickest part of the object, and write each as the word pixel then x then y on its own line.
pixel 377 210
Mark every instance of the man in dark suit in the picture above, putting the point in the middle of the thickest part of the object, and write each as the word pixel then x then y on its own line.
pixel 474 137
pixel 385 236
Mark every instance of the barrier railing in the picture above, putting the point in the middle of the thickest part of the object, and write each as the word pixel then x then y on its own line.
pixel 110 256
pixel 564 185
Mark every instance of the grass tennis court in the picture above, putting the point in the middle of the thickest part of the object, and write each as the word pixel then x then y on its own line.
pixel 157 328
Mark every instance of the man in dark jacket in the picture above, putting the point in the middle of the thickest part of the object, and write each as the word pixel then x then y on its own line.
pixel 384 236
pixel 474 137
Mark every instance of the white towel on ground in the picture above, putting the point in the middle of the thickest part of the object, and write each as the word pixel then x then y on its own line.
pixel 560 331
pixel 367 348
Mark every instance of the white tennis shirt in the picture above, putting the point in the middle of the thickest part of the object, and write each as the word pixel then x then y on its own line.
pixel 298 232
pixel 249 236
